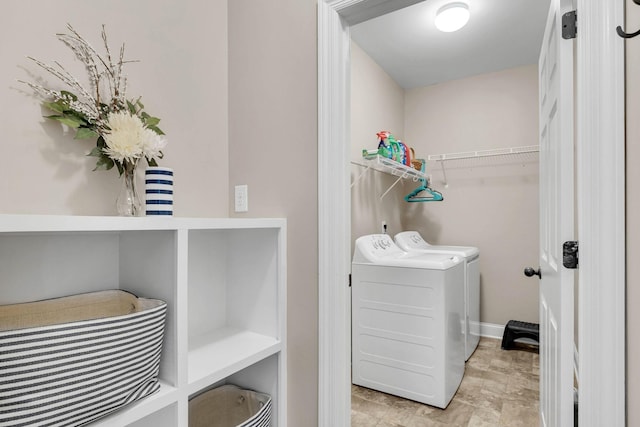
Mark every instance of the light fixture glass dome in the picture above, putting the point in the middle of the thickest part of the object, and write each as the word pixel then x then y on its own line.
pixel 451 17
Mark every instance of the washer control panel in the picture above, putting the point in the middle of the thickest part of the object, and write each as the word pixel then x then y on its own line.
pixel 411 240
pixel 381 245
pixel 380 249
pixel 417 239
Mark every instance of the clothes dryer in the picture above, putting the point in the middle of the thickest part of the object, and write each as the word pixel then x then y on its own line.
pixel 407 317
pixel 412 242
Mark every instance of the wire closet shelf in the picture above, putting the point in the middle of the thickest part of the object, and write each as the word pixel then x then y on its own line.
pixel 497 152
pixel 382 164
pixel 481 154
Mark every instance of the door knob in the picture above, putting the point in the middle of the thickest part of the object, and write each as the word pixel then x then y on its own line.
pixel 530 272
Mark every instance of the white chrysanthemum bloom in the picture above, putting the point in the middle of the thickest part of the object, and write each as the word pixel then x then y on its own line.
pixel 126 139
pixel 153 144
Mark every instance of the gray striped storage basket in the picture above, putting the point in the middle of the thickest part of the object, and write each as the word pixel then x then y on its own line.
pixel 69 361
pixel 230 406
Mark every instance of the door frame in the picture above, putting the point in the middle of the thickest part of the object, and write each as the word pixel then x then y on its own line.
pixel 600 181
pixel 600 178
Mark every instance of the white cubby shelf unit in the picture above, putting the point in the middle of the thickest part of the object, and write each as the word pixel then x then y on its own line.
pixel 224 281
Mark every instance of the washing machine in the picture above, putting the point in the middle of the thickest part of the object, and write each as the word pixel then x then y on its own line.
pixel 407 312
pixel 412 242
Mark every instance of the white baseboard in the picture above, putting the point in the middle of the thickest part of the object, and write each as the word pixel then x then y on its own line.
pixel 491 330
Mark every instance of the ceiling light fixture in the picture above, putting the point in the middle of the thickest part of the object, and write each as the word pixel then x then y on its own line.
pixel 451 17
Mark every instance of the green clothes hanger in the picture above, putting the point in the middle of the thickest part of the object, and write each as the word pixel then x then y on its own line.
pixel 429 195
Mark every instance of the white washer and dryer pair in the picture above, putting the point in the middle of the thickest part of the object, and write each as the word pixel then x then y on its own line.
pixel 412 242
pixel 408 321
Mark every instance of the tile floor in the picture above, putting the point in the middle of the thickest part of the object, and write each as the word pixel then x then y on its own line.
pixel 499 388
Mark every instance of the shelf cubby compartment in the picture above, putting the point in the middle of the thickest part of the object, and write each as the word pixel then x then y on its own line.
pixel 38 265
pixel 261 376
pixel 235 301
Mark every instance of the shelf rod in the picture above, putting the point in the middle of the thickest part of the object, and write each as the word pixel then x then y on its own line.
pixel 442 158
pixel 484 153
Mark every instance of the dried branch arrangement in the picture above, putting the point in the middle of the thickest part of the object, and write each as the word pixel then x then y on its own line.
pixel 125 132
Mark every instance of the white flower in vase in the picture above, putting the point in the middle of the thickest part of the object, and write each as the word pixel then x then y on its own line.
pixel 125 138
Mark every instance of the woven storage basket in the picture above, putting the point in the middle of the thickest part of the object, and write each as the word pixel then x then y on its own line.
pixel 230 406
pixel 69 361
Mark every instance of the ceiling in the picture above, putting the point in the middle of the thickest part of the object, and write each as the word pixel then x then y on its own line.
pixel 501 34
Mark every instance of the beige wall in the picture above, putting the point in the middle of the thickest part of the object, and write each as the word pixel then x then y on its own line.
pixel 377 103
pixel 633 215
pixel 272 149
pixel 181 79
pixel 491 203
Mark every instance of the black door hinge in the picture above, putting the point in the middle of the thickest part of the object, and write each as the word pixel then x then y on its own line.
pixel 570 254
pixel 349 279
pixel 569 25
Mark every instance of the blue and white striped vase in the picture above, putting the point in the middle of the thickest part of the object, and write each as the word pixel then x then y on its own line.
pixel 158 191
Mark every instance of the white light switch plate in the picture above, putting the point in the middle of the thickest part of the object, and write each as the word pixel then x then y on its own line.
pixel 242 198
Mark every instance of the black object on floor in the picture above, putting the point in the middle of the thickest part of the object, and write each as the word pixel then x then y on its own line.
pixel 516 329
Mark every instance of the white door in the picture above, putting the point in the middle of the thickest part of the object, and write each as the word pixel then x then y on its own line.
pixel 556 221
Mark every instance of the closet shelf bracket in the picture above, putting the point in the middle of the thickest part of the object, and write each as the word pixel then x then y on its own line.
pixel 444 176
pixel 359 177
pixel 390 187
